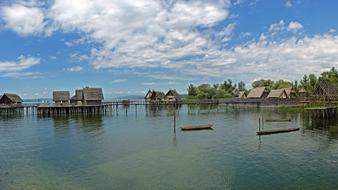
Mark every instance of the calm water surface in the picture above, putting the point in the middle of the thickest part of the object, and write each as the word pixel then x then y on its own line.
pixel 140 151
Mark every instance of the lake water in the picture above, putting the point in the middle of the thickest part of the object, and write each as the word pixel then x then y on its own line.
pixel 140 151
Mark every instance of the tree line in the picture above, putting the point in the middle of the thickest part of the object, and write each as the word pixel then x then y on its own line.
pixel 225 90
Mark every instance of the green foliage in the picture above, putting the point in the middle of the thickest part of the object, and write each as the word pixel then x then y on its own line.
pixel 263 83
pixel 241 86
pixel 215 91
pixel 271 85
pixel 192 91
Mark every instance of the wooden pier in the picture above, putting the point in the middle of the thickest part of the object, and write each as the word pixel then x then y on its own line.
pixel 10 110
pixel 73 109
pixel 323 112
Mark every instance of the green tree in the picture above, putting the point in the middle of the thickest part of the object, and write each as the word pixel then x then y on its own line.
pixel 192 91
pixel 241 86
pixel 281 84
pixel 263 83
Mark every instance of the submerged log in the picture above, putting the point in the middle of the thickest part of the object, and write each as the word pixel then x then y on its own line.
pixel 278 120
pixel 197 127
pixel 274 131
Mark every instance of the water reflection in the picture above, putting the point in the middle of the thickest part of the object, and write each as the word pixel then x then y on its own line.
pixel 317 124
pixel 158 110
pixel 6 117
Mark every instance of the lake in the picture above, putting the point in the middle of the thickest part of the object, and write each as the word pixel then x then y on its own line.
pixel 139 150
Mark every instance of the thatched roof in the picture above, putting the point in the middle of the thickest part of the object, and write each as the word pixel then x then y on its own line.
pixel 241 94
pixel 149 94
pixel 78 95
pixel 256 92
pixel 288 91
pixel 12 97
pixel 158 94
pixel 92 94
pixel 277 93
pixel 59 96
pixel 173 93
pixel 302 90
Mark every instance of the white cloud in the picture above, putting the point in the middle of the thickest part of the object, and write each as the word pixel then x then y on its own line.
pixel 23 19
pixel 142 33
pixel 288 3
pixel 179 38
pixel 75 69
pixel 150 84
pixel 295 26
pixel 119 81
pixel 21 64
pixel 275 28
pixel 22 75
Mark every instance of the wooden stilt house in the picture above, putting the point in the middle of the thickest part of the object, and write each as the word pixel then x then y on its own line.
pixel 10 99
pixel 172 96
pixel 61 98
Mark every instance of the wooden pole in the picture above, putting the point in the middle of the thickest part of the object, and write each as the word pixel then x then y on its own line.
pixel 175 121
pixel 259 124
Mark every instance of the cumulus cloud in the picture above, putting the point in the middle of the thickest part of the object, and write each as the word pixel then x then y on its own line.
pixel 183 37
pixel 295 26
pixel 23 63
pixel 142 33
pixel 23 19
pixel 275 28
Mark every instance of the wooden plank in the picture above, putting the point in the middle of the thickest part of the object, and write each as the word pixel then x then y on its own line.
pixel 197 127
pixel 274 131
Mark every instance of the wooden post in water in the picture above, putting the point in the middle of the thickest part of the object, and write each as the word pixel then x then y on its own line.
pixel 175 121
pixel 259 124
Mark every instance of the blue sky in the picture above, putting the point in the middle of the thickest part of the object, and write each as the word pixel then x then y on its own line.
pixel 127 47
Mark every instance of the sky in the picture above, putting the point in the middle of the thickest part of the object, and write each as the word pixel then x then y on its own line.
pixel 127 47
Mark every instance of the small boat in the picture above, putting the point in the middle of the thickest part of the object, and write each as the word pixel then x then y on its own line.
pixel 278 120
pixel 274 131
pixel 197 127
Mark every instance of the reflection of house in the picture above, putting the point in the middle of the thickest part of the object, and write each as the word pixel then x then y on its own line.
pixel 61 97
pixel 259 92
pixel 326 90
pixel 278 94
pixel 153 95
pixel 88 96
pixel 172 96
pixel 10 99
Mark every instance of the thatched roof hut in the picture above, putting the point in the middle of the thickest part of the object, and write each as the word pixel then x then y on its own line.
pixel 149 95
pixel 238 94
pixel 9 98
pixel 172 95
pixel 259 92
pixel 61 96
pixel 92 94
pixel 242 94
pixel 280 93
pixel 153 95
